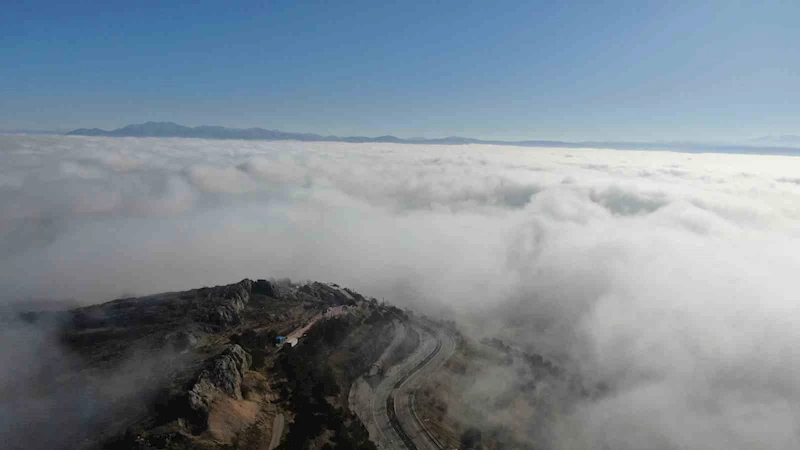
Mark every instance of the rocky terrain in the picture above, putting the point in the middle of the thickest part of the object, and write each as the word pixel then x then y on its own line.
pixel 198 369
pixel 204 369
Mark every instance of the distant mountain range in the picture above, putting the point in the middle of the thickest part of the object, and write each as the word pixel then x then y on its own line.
pixel 787 139
pixel 171 129
pixel 783 145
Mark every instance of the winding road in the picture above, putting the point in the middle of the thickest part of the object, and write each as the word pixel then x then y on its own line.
pixel 387 409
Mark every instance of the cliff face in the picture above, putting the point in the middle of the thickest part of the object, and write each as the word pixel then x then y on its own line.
pixel 195 369
pixel 223 375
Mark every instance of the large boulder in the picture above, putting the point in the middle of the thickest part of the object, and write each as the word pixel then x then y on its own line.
pixel 231 301
pixel 265 287
pixel 182 340
pixel 330 293
pixel 222 375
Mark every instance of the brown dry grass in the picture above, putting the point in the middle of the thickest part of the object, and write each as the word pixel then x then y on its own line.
pixel 229 417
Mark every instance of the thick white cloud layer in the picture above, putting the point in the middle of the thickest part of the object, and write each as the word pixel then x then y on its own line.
pixel 671 277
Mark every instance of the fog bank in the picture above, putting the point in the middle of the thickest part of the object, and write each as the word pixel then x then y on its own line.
pixel 669 276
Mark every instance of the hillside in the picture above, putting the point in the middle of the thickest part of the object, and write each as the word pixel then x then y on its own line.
pixel 199 369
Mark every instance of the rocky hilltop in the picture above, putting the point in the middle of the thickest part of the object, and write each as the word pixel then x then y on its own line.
pixel 199 369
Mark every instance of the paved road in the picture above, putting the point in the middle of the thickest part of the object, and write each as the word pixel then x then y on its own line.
pixel 294 337
pixel 387 409
pixel 362 395
pixel 403 396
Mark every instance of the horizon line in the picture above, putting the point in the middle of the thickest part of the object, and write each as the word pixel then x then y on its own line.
pixel 751 145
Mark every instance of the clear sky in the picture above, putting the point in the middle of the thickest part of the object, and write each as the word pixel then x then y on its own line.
pixel 634 70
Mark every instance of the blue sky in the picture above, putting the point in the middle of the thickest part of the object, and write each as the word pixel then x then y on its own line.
pixel 580 71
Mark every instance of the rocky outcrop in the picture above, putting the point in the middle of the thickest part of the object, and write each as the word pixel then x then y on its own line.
pixel 264 287
pixel 223 375
pixel 182 340
pixel 233 301
pixel 329 292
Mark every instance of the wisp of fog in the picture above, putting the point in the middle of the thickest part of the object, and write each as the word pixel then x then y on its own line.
pixel 670 277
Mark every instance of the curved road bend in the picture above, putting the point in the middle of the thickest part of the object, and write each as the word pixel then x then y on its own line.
pixel 363 397
pixel 402 430
pixel 403 396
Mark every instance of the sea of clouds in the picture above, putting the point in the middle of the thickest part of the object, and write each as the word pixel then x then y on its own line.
pixel 671 277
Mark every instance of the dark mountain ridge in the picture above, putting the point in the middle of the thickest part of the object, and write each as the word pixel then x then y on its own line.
pixel 171 129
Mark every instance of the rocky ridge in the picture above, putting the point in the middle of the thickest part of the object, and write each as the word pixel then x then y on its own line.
pixel 199 368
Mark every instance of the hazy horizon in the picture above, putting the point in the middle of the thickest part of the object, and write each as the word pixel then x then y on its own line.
pixel 765 142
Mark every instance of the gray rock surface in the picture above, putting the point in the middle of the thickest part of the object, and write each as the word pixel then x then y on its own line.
pixel 223 375
pixel 233 301
pixel 264 287
pixel 331 293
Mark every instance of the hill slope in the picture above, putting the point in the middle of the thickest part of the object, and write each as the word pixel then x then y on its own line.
pixel 195 369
